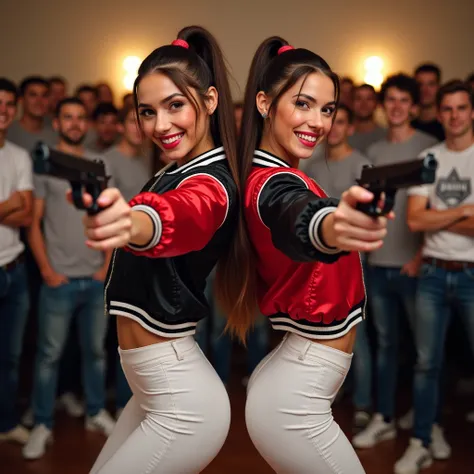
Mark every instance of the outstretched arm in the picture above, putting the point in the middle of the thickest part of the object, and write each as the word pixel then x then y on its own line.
pixel 307 227
pixel 161 225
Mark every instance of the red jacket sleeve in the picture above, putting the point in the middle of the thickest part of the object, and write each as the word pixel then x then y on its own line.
pixel 184 219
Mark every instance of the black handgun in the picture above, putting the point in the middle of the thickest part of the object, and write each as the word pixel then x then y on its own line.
pixel 83 174
pixel 387 179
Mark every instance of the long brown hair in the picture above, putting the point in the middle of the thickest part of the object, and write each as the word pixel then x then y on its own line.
pixel 198 68
pixel 273 74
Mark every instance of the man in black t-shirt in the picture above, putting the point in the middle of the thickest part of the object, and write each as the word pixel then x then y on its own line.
pixel 428 77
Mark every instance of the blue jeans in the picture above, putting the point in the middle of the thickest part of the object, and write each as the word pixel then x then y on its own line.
pixel 14 306
pixel 439 292
pixel 81 298
pixel 391 295
pixel 221 343
pixel 362 370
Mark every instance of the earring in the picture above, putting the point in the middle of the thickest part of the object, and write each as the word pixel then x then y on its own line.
pixel 264 115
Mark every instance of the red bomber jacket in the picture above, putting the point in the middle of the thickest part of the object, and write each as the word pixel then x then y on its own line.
pixel 305 286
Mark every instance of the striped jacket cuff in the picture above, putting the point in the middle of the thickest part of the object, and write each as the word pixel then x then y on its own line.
pixel 315 233
pixel 157 228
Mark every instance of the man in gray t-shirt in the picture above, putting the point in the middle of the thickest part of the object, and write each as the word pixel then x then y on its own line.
pixel 366 131
pixel 32 127
pixel 392 270
pixel 129 161
pixel 73 279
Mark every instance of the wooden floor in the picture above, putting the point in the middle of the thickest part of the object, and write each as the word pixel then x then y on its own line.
pixel 74 450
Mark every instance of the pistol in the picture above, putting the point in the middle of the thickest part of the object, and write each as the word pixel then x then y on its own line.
pixel 82 174
pixel 384 181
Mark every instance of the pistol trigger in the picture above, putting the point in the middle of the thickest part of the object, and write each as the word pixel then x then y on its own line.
pixel 389 202
pixel 77 195
pixel 94 191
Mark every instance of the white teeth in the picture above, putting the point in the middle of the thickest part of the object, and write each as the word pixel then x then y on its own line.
pixel 172 139
pixel 306 137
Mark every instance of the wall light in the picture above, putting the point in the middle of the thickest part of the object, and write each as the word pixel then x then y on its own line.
pixel 373 71
pixel 130 65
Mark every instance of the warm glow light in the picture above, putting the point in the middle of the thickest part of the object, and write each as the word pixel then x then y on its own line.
pixel 131 65
pixel 373 71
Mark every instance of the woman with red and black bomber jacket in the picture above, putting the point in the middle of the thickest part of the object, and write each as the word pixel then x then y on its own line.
pixel 309 272
pixel 166 241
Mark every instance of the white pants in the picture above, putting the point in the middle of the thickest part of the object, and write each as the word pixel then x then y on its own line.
pixel 288 411
pixel 179 415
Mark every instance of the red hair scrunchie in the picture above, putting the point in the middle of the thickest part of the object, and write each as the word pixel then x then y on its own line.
pixel 180 42
pixel 285 48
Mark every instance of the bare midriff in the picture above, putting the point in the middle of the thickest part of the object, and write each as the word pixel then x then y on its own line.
pixel 344 343
pixel 132 335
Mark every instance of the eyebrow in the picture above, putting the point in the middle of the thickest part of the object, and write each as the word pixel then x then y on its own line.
pixel 312 99
pixel 166 99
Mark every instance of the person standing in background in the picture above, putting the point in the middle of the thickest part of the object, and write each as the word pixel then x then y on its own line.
pixel 392 270
pixel 428 78
pixel 366 130
pixel 73 284
pixel 34 101
pixel 16 198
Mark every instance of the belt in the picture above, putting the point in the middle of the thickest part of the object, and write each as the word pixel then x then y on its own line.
pixel 14 263
pixel 448 265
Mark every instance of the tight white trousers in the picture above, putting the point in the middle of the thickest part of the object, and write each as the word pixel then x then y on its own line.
pixel 178 417
pixel 288 411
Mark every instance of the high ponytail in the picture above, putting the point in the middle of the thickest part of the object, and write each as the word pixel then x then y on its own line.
pixel 252 121
pixel 234 286
pixel 273 71
pixel 196 61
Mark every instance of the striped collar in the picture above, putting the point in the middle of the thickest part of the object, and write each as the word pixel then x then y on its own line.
pixel 268 160
pixel 211 156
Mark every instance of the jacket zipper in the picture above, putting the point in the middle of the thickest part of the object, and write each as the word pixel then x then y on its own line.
pixel 112 261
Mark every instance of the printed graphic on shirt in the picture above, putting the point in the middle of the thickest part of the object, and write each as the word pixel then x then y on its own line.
pixel 453 190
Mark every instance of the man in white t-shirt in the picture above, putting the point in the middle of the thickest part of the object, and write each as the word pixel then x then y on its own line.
pixel 16 197
pixel 447 273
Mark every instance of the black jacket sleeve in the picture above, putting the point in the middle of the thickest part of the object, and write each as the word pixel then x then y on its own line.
pixel 294 214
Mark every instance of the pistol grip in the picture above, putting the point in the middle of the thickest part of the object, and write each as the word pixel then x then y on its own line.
pixel 371 208
pixel 77 192
pixel 94 191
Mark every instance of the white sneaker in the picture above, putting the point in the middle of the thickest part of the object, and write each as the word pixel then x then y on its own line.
pixel 406 421
pixel 415 458
pixel 440 449
pixel 35 448
pixel 70 403
pixel 360 421
pixel 377 430
pixel 19 434
pixel 102 422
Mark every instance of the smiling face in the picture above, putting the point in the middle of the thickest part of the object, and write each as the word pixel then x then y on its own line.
pixel 302 118
pixel 71 124
pixel 169 118
pixel 399 107
pixel 35 100
pixel 340 130
pixel 7 109
pixel 456 114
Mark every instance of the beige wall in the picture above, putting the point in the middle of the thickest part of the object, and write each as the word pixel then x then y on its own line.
pixel 88 40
